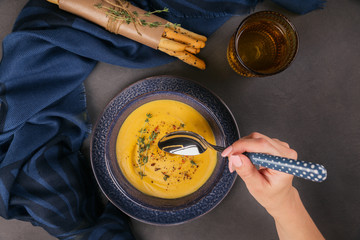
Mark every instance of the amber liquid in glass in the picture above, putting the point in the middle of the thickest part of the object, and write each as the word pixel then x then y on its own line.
pixel 262 46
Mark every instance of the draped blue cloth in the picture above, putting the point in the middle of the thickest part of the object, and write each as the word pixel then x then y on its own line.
pixel 44 179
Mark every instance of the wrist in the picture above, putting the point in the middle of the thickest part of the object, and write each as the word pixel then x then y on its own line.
pixel 291 204
pixel 293 221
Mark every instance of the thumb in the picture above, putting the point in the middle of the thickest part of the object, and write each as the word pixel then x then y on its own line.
pixel 246 170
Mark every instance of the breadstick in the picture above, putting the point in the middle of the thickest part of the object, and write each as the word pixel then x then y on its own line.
pixel 187 32
pixel 186 57
pixel 171 45
pixel 54 1
pixel 173 35
pixel 176 46
pixel 192 50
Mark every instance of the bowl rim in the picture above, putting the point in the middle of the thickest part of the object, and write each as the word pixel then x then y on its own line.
pixel 126 200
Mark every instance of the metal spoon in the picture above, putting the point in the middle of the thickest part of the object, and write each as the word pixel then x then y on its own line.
pixel 190 143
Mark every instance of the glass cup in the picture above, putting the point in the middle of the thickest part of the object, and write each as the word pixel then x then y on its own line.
pixel 265 43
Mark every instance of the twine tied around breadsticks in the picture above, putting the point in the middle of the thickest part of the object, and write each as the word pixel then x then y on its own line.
pixel 120 17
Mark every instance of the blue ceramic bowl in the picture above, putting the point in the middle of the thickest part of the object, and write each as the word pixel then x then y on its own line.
pixel 115 186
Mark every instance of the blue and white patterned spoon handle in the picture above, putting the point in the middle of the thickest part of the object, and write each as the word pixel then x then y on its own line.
pixel 307 170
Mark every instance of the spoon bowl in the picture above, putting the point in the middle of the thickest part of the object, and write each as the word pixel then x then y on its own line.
pixel 190 143
pixel 186 143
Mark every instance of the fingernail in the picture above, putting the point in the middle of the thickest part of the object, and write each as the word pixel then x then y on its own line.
pixel 235 160
pixel 226 151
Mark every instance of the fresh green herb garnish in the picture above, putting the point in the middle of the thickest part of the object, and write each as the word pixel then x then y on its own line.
pixel 168 25
pixel 141 140
pixel 142 130
pixel 144 145
pixel 142 174
pixel 165 176
pixel 118 11
pixel 153 135
pixel 193 163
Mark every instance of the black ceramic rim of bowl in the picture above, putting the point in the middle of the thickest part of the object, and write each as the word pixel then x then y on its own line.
pixel 120 192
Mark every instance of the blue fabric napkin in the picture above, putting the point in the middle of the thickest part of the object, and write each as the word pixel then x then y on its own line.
pixel 301 6
pixel 43 177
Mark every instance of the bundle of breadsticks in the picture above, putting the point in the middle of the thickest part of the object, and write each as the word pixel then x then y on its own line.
pixel 120 17
pixel 183 44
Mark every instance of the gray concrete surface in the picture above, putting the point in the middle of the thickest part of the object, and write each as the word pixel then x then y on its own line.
pixel 314 106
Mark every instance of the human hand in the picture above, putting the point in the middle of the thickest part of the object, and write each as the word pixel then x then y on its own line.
pixel 271 188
